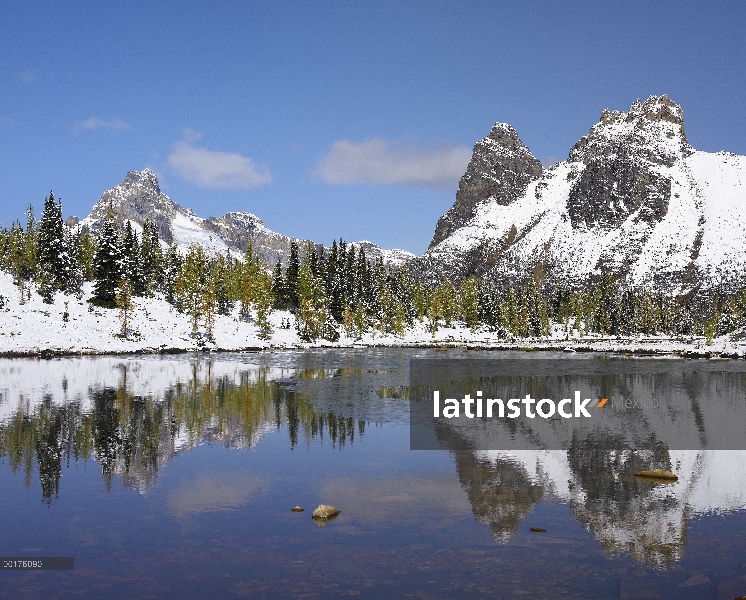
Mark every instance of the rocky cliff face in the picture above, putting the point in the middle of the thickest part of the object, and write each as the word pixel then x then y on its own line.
pixel 500 169
pixel 633 197
pixel 139 198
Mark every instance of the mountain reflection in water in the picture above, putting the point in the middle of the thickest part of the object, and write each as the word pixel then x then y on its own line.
pixel 131 416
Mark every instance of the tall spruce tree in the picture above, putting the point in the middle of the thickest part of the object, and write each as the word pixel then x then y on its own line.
pixel 279 290
pixel 151 257
pixel 171 268
pixel 85 246
pixel 291 277
pixel 192 291
pixel 54 260
pixel 107 264
pixel 131 266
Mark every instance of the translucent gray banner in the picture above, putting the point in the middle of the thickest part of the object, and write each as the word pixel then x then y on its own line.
pixel 553 404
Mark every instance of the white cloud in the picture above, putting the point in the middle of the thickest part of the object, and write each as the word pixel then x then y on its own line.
pixel 96 123
pixel 215 170
pixel 6 122
pixel 378 162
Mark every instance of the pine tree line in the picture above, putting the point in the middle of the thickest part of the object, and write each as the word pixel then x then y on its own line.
pixel 332 290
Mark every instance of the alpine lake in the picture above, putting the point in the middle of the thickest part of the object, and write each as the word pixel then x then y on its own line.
pixel 174 477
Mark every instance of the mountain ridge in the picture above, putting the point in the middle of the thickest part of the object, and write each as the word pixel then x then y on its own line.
pixel 633 198
pixel 139 198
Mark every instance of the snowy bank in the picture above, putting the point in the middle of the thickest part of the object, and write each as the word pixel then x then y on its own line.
pixel 71 325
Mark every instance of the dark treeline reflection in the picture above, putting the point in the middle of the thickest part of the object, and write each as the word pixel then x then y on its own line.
pixel 132 436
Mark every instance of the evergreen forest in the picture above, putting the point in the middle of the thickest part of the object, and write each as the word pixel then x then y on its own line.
pixel 335 290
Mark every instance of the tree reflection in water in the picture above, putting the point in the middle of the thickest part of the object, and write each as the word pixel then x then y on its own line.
pixel 131 436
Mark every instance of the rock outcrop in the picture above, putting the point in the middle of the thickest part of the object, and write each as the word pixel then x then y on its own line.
pixel 500 169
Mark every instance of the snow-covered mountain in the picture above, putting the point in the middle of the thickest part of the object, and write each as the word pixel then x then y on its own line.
pixel 139 198
pixel 633 197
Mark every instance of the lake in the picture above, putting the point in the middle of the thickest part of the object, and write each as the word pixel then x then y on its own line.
pixel 174 476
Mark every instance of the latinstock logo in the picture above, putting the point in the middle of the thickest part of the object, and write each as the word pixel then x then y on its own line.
pixel 545 408
pixel 563 403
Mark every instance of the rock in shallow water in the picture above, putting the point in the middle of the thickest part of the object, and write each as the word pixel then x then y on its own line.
pixel 660 474
pixel 297 509
pixel 325 512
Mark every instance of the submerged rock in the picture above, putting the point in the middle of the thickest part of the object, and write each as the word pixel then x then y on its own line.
pixel 660 474
pixel 538 530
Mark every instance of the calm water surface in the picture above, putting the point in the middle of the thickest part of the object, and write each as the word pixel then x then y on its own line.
pixel 174 478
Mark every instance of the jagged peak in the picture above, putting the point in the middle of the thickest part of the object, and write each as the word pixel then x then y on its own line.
pixel 145 177
pixel 504 136
pixel 655 127
pixel 655 108
pixel 500 131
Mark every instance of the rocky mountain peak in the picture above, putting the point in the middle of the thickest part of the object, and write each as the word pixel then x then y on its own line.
pixel 500 169
pixel 138 198
pixel 618 172
pixel 653 130
pixel 145 178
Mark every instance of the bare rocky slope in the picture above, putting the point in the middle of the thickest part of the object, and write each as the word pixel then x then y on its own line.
pixel 632 197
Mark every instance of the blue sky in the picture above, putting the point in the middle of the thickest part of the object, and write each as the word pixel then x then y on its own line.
pixel 331 119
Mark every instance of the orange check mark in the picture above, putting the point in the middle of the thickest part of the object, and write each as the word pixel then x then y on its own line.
pixel 602 403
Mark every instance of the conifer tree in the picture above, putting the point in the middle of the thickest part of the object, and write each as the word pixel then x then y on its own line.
pixel 247 281
pixel 348 321
pixel 605 315
pixel 85 245
pixel 131 261
pixel 123 299
pixel 311 317
pixel 448 302
pixel 224 274
pixel 73 283
pixel 627 312
pixel 170 272
pixel 54 260
pixel 434 311
pixel 263 302
pixel 279 290
pixel 107 264
pixel 509 312
pixel 489 305
pixel 151 257
pixel 646 320
pixel 291 277
pixel 21 257
pixel 469 295
pixel 191 287
pixel 56 255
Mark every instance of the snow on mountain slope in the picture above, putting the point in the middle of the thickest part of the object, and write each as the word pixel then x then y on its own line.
pixel 632 197
pixel 721 179
pixel 139 198
pixel 188 230
pixel 650 523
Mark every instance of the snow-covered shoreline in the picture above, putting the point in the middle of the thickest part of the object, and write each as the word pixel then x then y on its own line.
pixel 38 329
